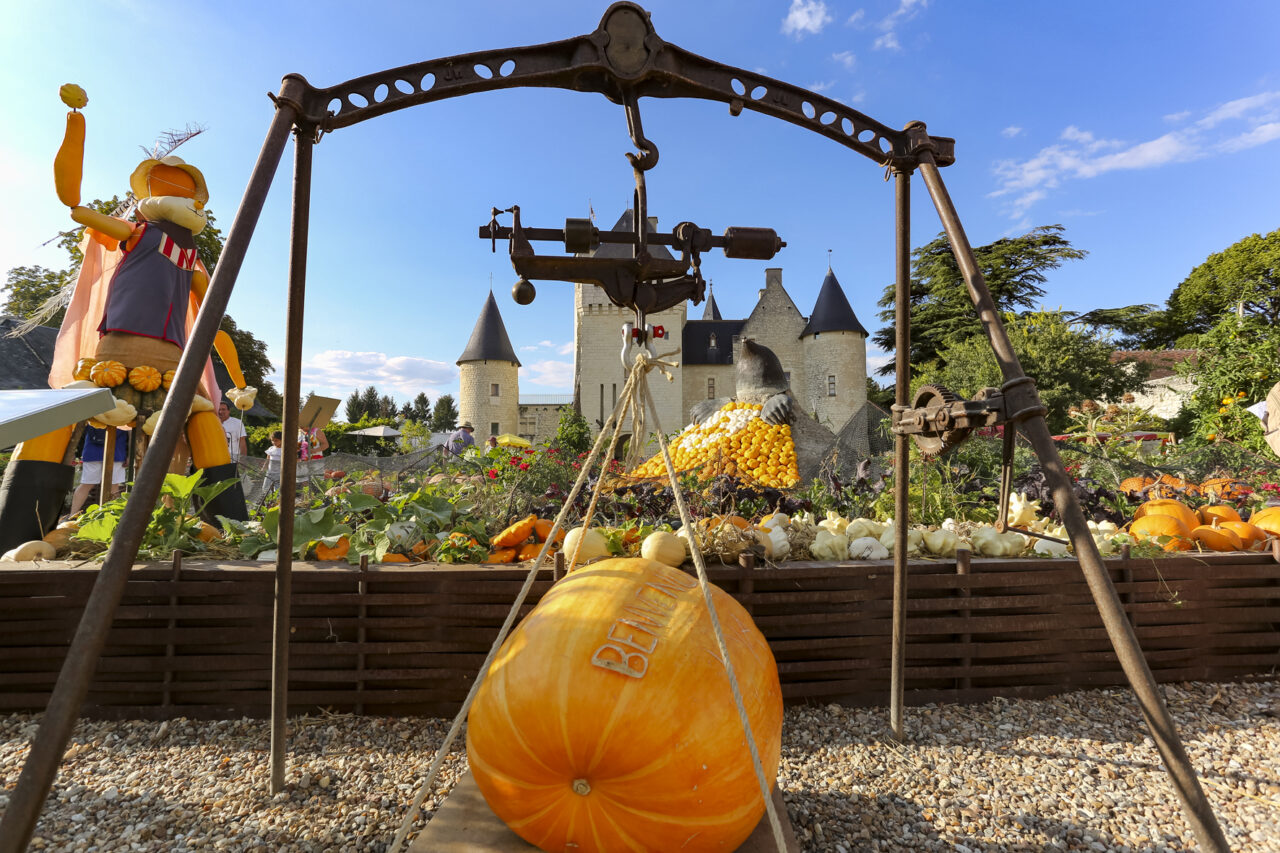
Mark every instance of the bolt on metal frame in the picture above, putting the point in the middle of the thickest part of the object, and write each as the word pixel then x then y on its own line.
pixel 623 59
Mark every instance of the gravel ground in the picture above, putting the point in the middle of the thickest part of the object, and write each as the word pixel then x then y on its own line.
pixel 1075 772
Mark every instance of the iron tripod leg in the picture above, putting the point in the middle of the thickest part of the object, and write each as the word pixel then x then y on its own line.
pixel 1159 722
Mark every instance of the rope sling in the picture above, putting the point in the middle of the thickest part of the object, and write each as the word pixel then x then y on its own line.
pixel 635 399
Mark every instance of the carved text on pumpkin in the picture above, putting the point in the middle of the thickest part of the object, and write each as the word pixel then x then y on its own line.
pixel 634 636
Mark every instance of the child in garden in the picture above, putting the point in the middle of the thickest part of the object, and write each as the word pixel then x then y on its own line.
pixel 274 453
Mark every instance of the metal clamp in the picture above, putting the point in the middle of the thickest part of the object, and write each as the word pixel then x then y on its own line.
pixel 630 335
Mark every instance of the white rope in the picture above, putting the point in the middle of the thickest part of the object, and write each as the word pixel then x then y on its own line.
pixel 407 824
pixel 698 562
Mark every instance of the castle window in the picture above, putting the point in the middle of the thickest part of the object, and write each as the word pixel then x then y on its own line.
pixel 711 387
pixel 711 344
pixel 831 386
pixel 787 374
pixel 493 389
pixel 493 428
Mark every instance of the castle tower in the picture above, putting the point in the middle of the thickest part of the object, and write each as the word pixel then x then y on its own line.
pixel 834 343
pixel 597 346
pixel 489 393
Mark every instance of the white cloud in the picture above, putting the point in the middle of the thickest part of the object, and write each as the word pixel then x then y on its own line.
pixel 845 58
pixel 907 9
pixel 806 16
pixel 539 345
pixel 821 87
pixel 888 41
pixel 403 377
pixel 565 348
pixel 1011 131
pixel 1241 108
pixel 1080 154
pixel 1260 134
pixel 1177 118
pixel 877 360
pixel 856 18
pixel 547 373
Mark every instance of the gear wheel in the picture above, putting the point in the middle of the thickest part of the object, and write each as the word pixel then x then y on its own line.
pixel 936 444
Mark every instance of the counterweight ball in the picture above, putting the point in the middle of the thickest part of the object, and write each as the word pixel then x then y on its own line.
pixel 523 291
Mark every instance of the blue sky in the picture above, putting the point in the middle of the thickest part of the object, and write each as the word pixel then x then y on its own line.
pixel 1150 130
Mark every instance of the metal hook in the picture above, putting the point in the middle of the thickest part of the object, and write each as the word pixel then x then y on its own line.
pixel 649 152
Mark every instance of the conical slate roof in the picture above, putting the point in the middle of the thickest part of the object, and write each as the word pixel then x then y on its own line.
pixel 623 250
pixel 489 341
pixel 711 311
pixel 832 312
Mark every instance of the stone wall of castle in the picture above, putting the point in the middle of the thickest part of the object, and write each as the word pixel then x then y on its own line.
pixel 491 413
pixel 597 345
pixel 835 377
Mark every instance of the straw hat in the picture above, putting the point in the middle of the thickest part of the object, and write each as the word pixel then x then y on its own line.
pixel 138 180
pixel 466 425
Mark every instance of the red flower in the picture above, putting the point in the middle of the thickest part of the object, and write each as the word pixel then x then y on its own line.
pixel 493 473
pixel 524 466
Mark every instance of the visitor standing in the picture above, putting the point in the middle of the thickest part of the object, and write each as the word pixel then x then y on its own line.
pixel 237 442
pixel 274 454
pixel 461 438
pixel 92 451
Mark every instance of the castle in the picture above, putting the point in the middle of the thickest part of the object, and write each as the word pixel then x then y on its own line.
pixel 823 353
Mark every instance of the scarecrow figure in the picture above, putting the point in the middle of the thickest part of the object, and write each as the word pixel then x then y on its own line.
pixel 135 298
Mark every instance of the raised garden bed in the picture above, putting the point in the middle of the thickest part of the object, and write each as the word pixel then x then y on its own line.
pixel 195 641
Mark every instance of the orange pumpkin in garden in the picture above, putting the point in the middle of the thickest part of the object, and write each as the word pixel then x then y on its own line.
pixel 337 551
pixel 606 721
pixel 1219 512
pixel 1134 485
pixel 1165 530
pixel 530 551
pixel 1250 537
pixel 516 534
pixel 1269 523
pixel 1217 538
pixel 501 555
pixel 542 529
pixel 1176 509
pixel 1225 488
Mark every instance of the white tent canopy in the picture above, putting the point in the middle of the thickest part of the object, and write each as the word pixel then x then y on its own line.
pixel 380 431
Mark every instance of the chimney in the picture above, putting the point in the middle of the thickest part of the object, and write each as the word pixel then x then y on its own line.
pixel 772 277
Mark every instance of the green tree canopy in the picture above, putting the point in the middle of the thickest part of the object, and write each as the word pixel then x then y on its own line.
pixel 942 314
pixel 1238 362
pixel 1245 276
pixel 444 416
pixel 1243 280
pixel 1068 362
pixel 29 288
pixel 420 409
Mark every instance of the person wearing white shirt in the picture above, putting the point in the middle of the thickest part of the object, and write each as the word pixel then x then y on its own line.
pixel 237 442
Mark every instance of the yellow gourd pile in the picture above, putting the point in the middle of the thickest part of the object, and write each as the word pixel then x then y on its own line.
pixel 735 442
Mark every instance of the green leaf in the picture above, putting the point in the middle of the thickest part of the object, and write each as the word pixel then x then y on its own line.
pixel 99 529
pixel 179 486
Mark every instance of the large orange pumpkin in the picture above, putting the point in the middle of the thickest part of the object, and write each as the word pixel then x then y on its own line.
pixel 1221 512
pixel 1164 530
pixel 1177 509
pixel 1250 537
pixel 1267 519
pixel 1217 538
pixel 606 721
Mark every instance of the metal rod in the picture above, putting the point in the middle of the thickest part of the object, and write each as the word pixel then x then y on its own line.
pixel 19 821
pixel 108 465
pixel 1160 723
pixel 901 450
pixel 303 148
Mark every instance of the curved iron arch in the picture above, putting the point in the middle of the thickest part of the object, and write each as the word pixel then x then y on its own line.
pixel 623 57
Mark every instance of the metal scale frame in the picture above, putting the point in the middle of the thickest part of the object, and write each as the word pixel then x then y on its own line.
pixel 623 59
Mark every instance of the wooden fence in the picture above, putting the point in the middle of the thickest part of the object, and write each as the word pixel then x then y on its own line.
pixel 195 639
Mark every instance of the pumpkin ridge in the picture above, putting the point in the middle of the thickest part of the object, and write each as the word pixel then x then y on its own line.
pixel 515 733
pixel 618 832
